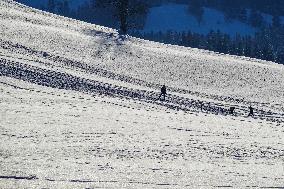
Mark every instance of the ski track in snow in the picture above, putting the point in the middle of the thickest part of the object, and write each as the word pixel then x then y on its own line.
pixel 79 109
pixel 64 81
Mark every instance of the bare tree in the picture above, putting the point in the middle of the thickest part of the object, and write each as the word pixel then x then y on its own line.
pixel 124 11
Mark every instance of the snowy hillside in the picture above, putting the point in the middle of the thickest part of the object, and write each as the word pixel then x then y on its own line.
pixel 79 109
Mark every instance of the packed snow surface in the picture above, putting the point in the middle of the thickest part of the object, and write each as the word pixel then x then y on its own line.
pixel 79 108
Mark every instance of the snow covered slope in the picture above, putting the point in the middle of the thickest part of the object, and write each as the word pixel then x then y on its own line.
pixel 79 109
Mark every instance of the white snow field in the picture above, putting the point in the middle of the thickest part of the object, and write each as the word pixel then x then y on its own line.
pixel 79 108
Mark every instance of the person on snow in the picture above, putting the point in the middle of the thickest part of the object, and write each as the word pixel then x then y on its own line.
pixel 251 111
pixel 163 92
pixel 232 110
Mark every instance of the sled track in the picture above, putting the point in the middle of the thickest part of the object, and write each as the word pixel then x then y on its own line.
pixel 61 80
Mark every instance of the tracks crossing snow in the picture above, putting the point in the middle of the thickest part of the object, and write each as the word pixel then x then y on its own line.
pixel 56 79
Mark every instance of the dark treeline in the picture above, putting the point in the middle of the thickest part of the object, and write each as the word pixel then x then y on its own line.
pixel 246 11
pixel 266 44
pixel 272 7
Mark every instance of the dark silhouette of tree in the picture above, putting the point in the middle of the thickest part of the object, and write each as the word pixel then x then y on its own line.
pixel 124 10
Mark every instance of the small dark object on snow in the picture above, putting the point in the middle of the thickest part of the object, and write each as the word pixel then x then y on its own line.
pixel 163 92
pixel 201 105
pixel 232 109
pixel 45 54
pixel 250 111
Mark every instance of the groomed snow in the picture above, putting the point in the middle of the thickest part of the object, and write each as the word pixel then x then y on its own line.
pixel 79 109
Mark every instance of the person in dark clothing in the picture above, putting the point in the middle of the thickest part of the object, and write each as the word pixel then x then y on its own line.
pixel 232 110
pixel 163 92
pixel 250 111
